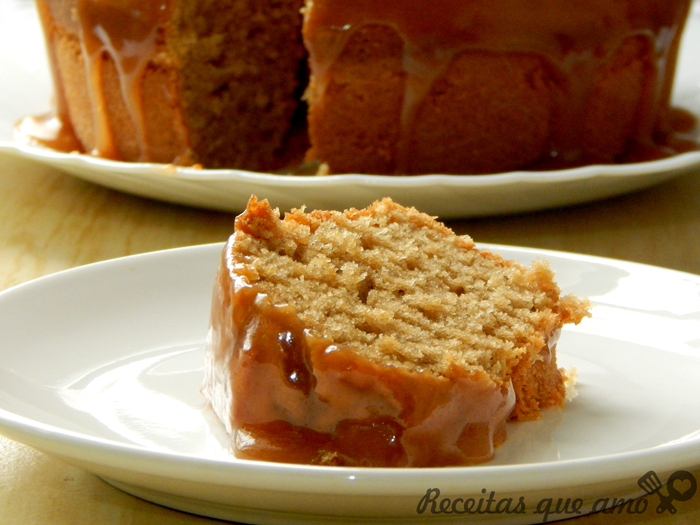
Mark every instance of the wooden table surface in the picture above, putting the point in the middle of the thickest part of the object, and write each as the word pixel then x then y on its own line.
pixel 50 221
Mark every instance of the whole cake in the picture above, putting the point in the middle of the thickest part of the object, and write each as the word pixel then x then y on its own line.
pixel 377 337
pixel 395 87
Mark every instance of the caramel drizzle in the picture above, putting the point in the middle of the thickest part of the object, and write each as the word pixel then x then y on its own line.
pixel 577 39
pixel 127 31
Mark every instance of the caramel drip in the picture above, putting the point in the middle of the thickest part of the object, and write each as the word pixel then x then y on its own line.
pixel 49 130
pixel 576 38
pixel 127 31
pixel 296 368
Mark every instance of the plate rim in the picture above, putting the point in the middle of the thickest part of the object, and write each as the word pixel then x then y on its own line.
pixel 674 163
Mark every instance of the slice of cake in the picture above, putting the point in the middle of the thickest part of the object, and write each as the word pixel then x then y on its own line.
pixel 377 337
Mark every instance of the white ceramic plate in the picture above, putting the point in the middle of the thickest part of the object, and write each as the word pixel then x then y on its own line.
pixel 101 366
pixel 25 90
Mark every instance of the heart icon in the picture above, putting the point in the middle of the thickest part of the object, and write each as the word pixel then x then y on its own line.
pixel 681 485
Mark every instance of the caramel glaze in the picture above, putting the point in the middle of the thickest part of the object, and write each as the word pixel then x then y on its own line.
pixel 575 38
pixel 125 30
pixel 287 396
